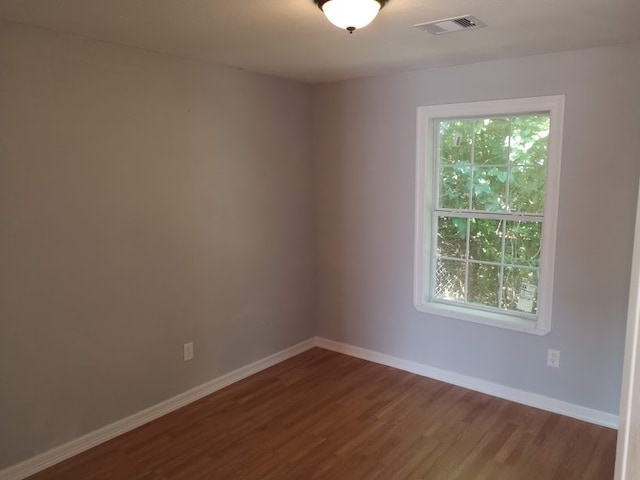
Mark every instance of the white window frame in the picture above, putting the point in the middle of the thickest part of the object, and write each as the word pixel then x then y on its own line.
pixel 539 324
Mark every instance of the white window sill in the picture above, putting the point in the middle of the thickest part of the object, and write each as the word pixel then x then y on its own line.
pixel 494 319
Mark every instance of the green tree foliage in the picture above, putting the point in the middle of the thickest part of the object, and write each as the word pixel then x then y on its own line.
pixel 490 165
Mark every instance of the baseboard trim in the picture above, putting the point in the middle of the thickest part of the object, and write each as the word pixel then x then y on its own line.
pixel 92 439
pixel 508 393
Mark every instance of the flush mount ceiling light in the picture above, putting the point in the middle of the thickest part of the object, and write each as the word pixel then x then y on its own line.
pixel 350 14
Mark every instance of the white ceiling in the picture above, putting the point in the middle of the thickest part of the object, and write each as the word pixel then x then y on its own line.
pixel 292 38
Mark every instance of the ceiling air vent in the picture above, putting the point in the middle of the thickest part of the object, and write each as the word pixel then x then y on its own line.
pixel 450 25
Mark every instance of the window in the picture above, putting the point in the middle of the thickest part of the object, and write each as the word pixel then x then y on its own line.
pixel 486 208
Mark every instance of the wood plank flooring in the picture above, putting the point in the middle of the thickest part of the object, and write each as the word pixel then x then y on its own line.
pixel 322 415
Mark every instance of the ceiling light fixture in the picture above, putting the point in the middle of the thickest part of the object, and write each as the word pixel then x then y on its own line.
pixel 350 14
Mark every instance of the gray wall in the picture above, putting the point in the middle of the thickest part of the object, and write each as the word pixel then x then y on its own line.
pixel 364 174
pixel 145 201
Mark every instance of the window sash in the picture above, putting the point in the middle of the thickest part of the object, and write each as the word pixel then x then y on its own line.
pixel 502 264
pixel 470 213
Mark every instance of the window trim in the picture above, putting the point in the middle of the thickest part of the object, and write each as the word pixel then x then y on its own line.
pixel 425 164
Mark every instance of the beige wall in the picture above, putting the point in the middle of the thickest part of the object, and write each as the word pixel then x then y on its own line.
pixel 145 201
pixel 364 175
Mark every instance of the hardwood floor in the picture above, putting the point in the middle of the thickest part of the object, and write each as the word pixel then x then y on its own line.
pixel 322 415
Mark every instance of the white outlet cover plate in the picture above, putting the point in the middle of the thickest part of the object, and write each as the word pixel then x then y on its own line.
pixel 553 358
pixel 188 351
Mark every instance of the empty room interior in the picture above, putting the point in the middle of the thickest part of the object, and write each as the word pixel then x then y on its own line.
pixel 269 240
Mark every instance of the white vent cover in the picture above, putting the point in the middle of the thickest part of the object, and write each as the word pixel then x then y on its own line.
pixel 450 25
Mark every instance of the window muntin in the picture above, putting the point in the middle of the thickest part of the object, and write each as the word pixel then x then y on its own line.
pixel 488 178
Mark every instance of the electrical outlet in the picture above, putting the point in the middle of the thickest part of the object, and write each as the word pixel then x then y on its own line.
pixel 188 351
pixel 553 358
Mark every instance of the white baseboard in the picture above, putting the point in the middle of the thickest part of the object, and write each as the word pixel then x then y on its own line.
pixel 508 393
pixel 90 440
